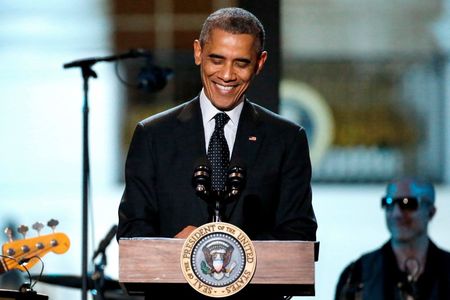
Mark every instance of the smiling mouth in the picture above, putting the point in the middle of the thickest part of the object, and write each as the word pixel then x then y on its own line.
pixel 225 88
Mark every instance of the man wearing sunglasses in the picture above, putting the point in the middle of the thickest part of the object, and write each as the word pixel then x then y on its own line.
pixel 409 265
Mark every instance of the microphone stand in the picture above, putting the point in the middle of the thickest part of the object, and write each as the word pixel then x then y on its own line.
pixel 99 278
pixel 87 72
pixel 99 274
pixel 217 197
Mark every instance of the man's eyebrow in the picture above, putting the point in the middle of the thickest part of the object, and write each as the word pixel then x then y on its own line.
pixel 241 59
pixel 212 55
pixel 244 60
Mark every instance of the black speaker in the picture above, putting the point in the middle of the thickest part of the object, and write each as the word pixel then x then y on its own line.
pixel 17 295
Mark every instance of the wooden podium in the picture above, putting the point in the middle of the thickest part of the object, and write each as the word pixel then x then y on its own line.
pixel 287 267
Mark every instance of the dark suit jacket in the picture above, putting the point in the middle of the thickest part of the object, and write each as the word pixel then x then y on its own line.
pixel 376 276
pixel 159 199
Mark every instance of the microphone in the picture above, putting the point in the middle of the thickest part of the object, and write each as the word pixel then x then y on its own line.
pixel 153 78
pixel 412 269
pixel 201 180
pixel 236 180
pixel 105 242
pixel 132 53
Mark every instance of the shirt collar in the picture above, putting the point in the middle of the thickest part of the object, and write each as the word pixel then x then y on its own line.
pixel 209 110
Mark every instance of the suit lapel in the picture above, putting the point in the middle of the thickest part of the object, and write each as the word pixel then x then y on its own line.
pixel 190 133
pixel 190 143
pixel 249 137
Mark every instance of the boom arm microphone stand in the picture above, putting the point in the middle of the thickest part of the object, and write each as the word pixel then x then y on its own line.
pixel 87 72
pixel 99 274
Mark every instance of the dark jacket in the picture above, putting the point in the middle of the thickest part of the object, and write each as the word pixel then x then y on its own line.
pixel 159 199
pixel 375 276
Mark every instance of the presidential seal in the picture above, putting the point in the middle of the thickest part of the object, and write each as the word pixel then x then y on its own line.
pixel 218 259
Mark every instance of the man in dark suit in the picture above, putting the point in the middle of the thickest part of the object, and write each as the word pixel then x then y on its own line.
pixel 159 199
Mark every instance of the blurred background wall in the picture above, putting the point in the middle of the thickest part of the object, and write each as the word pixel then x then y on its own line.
pixel 369 80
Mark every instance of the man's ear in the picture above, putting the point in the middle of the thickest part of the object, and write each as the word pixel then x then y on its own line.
pixel 262 59
pixel 432 212
pixel 197 52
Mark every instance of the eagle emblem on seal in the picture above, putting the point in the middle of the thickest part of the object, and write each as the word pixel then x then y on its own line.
pixel 217 261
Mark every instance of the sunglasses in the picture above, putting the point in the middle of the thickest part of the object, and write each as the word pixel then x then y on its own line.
pixel 405 203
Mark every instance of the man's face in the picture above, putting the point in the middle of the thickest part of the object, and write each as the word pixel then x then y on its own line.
pixel 406 225
pixel 228 62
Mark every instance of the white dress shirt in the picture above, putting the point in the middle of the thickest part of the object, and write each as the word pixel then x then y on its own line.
pixel 208 113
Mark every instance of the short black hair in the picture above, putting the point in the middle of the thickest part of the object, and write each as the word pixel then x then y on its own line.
pixel 234 20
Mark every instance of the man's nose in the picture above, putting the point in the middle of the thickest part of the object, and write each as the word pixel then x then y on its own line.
pixel 227 72
pixel 396 210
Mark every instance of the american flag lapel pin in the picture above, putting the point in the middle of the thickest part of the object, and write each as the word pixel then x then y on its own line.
pixel 252 138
